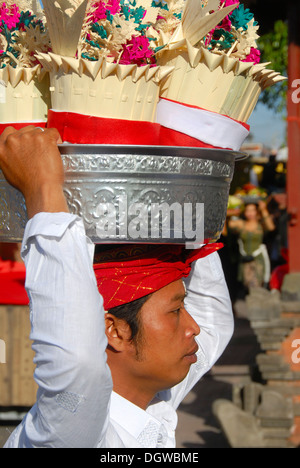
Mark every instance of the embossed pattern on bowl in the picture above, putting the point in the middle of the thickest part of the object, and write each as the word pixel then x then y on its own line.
pixel 136 193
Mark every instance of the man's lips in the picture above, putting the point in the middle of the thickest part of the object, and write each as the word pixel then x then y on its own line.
pixel 191 356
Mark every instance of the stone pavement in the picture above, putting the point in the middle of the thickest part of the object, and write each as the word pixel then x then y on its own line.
pixel 197 426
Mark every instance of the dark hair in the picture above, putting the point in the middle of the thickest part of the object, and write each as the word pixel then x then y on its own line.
pixel 130 313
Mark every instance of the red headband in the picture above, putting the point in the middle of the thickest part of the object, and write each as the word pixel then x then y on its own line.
pixel 130 272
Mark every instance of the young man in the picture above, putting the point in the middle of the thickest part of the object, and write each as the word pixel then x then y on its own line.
pixel 108 375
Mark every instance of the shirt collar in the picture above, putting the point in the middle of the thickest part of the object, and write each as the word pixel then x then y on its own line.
pixel 143 426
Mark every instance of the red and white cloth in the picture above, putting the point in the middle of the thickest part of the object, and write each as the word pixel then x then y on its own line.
pixel 181 122
pixel 176 124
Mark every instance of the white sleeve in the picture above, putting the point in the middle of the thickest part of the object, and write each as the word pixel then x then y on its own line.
pixel 209 303
pixel 67 329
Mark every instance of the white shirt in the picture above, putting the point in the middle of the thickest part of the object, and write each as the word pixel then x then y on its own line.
pixel 75 404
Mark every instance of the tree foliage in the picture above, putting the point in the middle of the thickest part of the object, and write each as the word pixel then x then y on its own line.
pixel 274 49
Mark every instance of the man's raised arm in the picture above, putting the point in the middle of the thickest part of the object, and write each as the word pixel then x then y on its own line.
pixel 66 310
pixel 31 162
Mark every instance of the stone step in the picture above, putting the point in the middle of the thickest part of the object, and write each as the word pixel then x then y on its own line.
pixel 288 376
pixel 276 433
pixel 264 368
pixel 297 409
pixel 274 331
pixel 270 338
pixel 290 306
pixel 286 322
pixel 286 388
pixel 278 443
pixel 275 423
pixel 270 346
pixel 270 359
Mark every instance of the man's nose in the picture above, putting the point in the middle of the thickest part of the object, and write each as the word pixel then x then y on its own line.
pixel 192 326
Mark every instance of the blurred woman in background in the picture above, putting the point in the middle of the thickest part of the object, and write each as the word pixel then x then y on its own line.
pixel 251 227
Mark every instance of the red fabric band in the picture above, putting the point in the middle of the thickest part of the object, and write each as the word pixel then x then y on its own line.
pixel 127 273
pixel 84 129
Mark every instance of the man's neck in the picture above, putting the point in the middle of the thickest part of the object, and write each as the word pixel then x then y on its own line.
pixel 129 387
pixel 136 398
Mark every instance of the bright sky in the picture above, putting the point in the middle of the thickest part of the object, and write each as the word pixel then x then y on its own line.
pixel 267 127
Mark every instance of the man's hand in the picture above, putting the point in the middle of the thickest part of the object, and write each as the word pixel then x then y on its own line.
pixel 31 162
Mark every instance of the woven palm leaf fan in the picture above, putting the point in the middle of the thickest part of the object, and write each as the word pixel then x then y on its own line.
pixel 65 20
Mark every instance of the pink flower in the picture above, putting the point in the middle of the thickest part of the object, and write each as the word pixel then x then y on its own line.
pixel 113 6
pixel 254 56
pixel 230 2
pixel 137 51
pixel 100 13
pixel 9 15
pixel 225 24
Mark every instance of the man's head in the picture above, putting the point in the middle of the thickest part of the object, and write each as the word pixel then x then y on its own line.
pixel 151 343
pixel 151 336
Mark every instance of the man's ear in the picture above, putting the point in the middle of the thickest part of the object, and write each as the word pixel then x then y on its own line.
pixel 117 331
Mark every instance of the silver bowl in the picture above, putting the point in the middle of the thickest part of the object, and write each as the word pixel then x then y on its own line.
pixel 137 194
